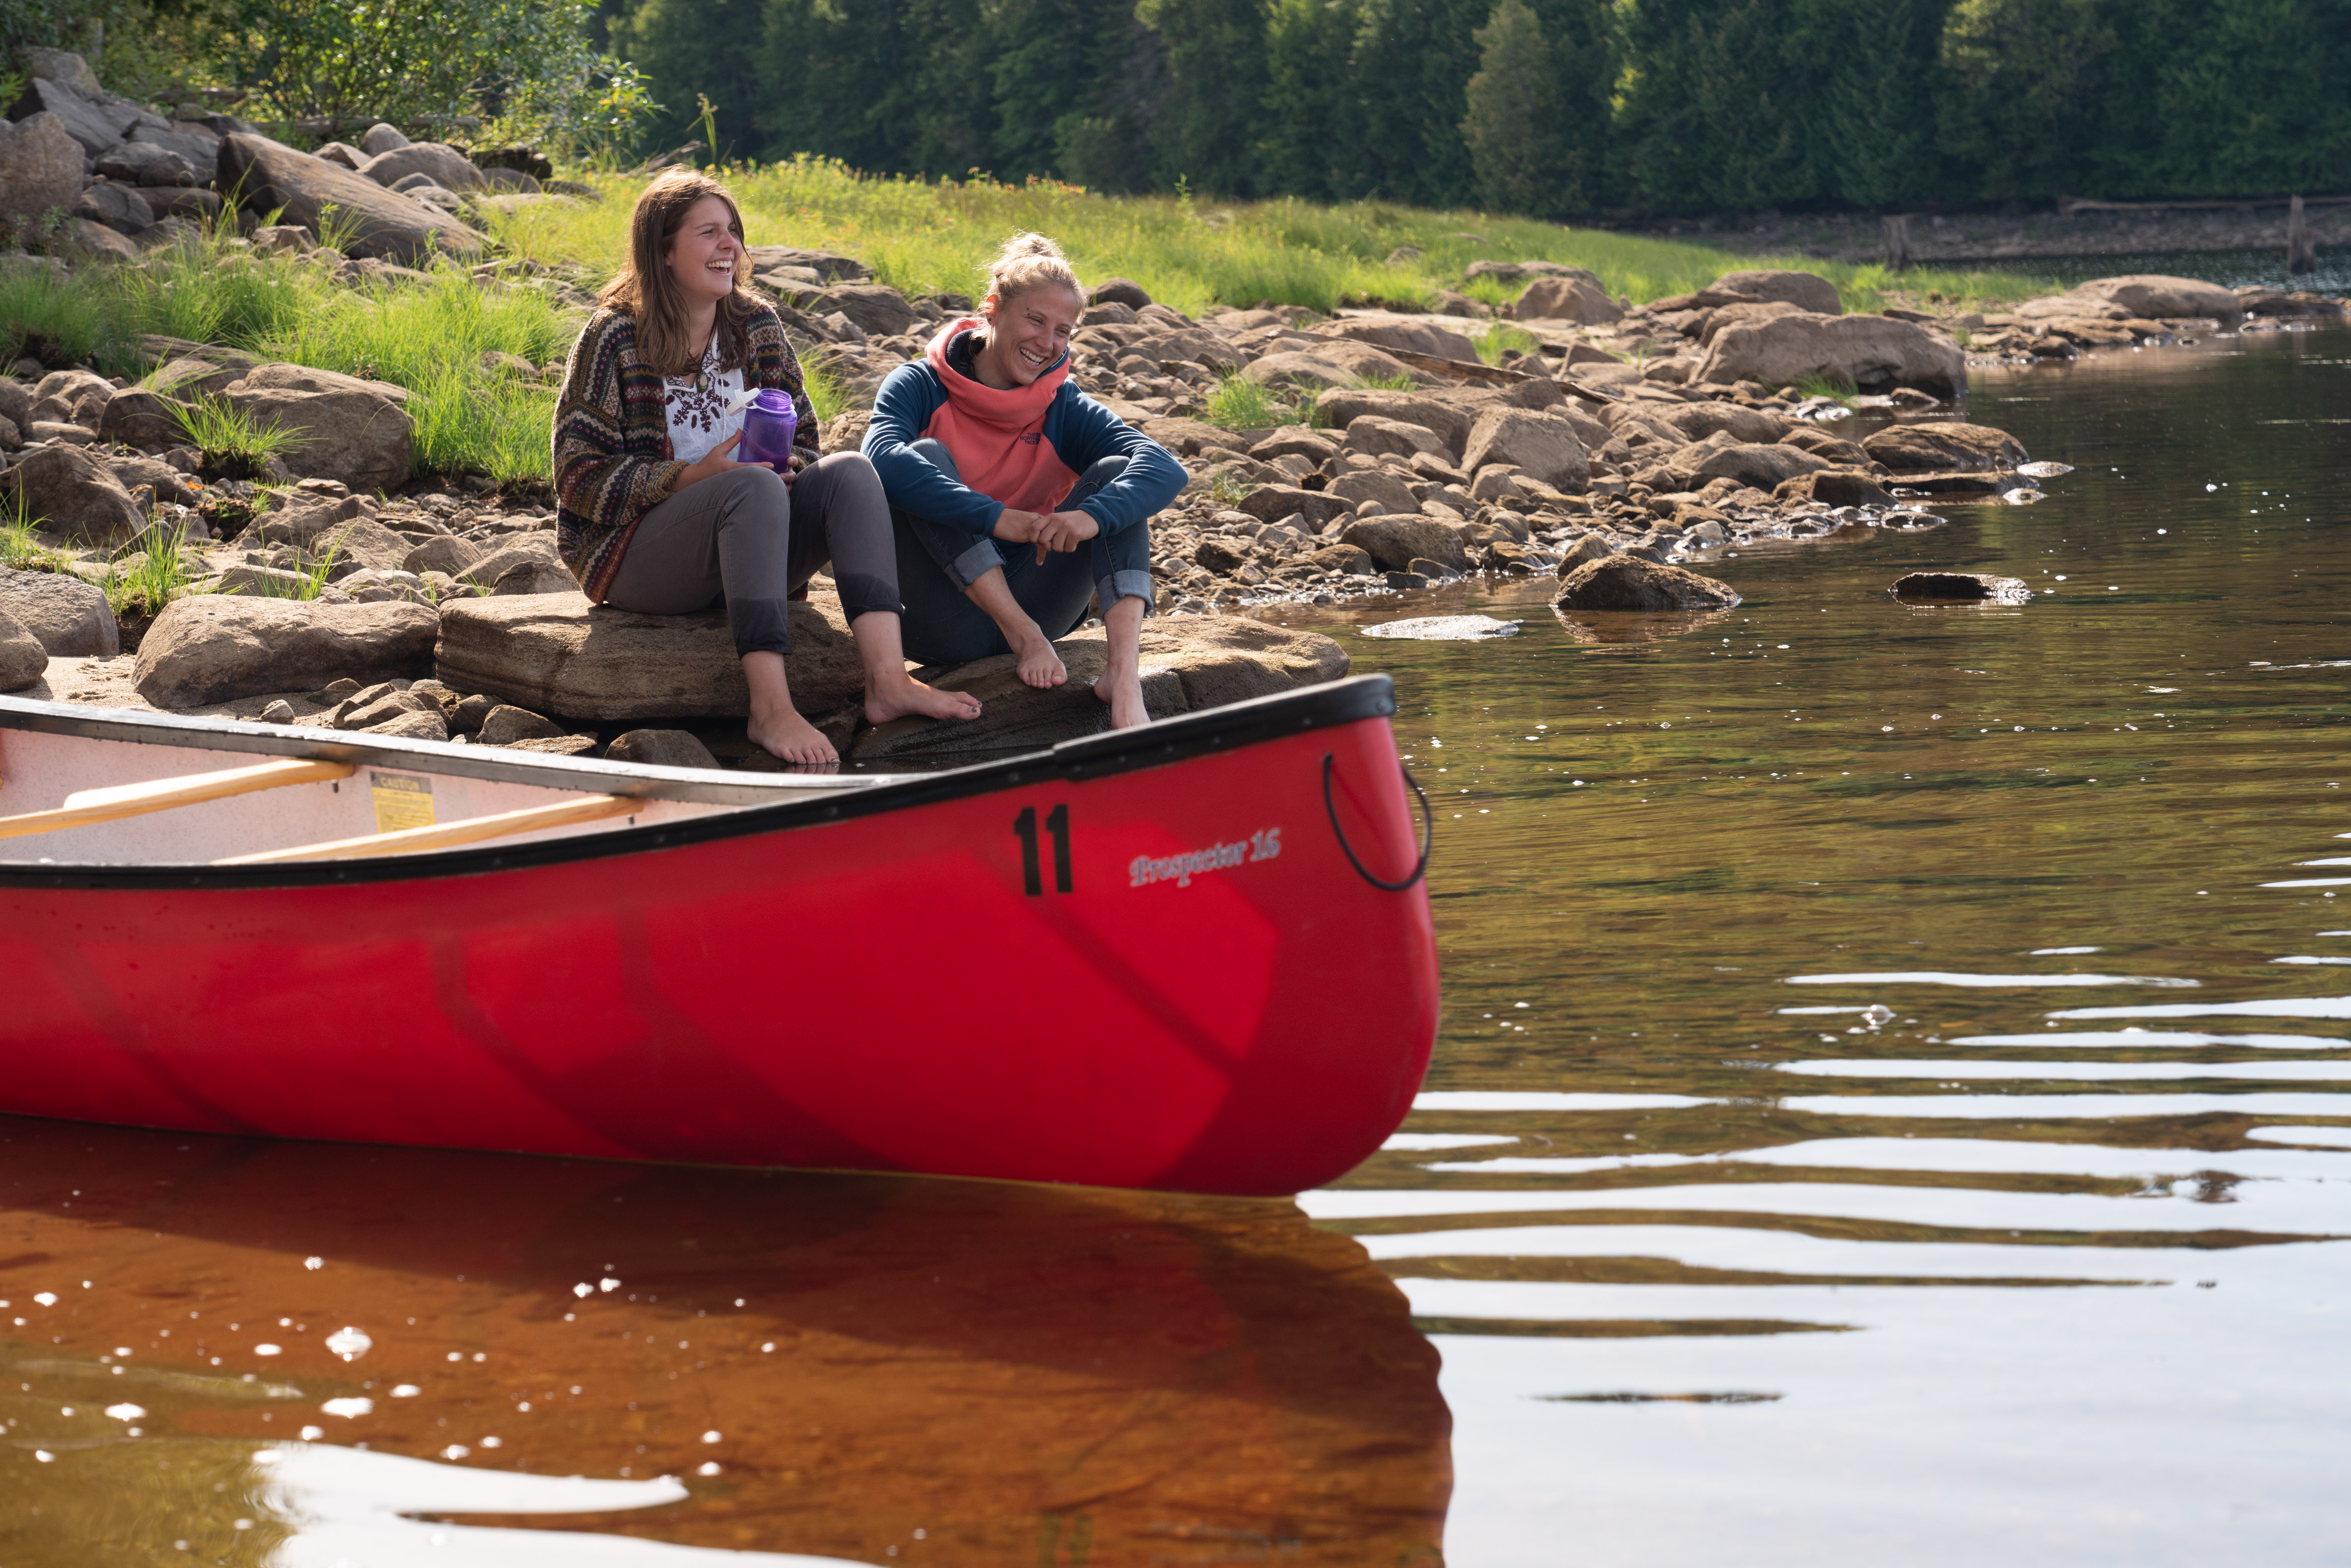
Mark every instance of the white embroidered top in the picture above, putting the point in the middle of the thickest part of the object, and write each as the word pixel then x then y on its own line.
pixel 697 407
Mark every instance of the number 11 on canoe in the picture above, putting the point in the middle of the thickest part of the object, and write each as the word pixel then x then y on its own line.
pixel 1024 827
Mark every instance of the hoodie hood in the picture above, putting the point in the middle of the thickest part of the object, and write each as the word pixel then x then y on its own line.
pixel 1013 409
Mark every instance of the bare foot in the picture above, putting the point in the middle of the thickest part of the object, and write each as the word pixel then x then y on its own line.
pixel 1124 692
pixel 1039 665
pixel 888 699
pixel 790 737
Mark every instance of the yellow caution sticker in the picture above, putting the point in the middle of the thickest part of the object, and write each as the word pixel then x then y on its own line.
pixel 403 802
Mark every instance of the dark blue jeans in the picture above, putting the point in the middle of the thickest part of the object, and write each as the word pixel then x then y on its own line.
pixel 936 563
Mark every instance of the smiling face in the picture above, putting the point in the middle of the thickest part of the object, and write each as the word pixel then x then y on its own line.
pixel 706 251
pixel 1027 334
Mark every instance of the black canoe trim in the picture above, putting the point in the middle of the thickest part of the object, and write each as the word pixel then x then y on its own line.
pixel 1177 739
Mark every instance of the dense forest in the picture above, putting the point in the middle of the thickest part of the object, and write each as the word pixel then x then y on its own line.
pixel 1555 108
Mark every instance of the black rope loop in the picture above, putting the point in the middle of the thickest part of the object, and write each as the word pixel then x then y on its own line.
pixel 1428 824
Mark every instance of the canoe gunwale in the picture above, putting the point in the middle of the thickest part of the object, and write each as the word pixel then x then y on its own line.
pixel 834 799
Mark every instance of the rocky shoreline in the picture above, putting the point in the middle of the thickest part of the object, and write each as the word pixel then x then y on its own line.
pixel 1377 452
pixel 1969 238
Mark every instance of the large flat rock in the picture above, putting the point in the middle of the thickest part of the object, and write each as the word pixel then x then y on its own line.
pixel 1190 662
pixel 215 647
pixel 1870 351
pixel 354 431
pixel 556 653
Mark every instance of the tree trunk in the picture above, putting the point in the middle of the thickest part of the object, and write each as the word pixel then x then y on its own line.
pixel 1897 231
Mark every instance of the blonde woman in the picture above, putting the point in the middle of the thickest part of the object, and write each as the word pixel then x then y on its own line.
pixel 1017 499
pixel 652 515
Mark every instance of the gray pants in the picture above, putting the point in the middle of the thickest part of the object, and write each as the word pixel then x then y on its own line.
pixel 747 538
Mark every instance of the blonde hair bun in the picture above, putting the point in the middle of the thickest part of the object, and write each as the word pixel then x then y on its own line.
pixel 1030 261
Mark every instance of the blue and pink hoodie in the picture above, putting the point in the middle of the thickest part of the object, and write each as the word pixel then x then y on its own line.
pixel 1022 448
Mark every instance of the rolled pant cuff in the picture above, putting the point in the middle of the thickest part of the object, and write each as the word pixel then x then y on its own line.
pixel 863 594
pixel 977 561
pixel 761 625
pixel 1128 584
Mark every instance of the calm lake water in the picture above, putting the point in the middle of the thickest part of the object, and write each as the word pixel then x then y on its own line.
pixel 1889 1110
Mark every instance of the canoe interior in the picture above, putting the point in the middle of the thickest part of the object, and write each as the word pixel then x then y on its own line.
pixel 389 790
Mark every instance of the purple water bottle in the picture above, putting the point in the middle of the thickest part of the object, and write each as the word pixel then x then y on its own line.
pixel 768 425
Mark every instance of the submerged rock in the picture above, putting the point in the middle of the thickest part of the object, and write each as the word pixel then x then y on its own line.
pixel 1947 448
pixel 1961 585
pixel 1445 629
pixel 660 748
pixel 1624 582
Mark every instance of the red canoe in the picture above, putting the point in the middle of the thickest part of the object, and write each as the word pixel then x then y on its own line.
pixel 1196 956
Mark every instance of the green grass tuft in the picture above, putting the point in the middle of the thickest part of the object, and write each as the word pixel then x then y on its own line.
pixel 234 444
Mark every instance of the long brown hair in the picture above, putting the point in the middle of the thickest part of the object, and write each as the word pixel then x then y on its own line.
pixel 644 288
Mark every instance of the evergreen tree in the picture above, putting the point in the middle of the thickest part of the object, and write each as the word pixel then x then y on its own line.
pixel 1878 146
pixel 1413 61
pixel 1309 144
pixel 1513 128
pixel 1218 77
pixel 2022 107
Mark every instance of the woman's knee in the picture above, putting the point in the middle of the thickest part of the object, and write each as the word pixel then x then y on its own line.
pixel 752 489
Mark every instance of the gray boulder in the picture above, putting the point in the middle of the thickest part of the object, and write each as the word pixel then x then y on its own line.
pixel 1805 290
pixel 1542 447
pixel 167 482
pixel 137 417
pixel 40 169
pixel 1623 582
pixel 197 145
pixel 660 748
pixel 1394 543
pixel 1763 464
pixel 145 163
pixel 379 137
pixel 1338 363
pixel 1418 337
pixel 1360 485
pixel 1861 350
pixel 879 312
pixel 98 120
pixel 1945 448
pixel 1377 435
pixel 267 175
pixel 60 66
pixel 119 207
pixel 354 431
pixel 438 162
pixel 216 647
pixel 828 265
pixel 1271 503
pixel 21 657
pixel 72 494
pixel 537 548
pixel 1566 300
pixel 447 554
pixel 555 653
pixel 1341 406
pixel 69 617
pixel 2146 296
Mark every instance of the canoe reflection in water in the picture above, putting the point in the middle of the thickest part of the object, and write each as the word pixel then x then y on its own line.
pixel 793 1367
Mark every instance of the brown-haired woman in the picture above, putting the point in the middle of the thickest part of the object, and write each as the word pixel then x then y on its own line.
pixel 652 515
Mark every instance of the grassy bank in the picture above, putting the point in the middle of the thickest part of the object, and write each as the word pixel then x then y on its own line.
pixel 472 415
pixel 926 238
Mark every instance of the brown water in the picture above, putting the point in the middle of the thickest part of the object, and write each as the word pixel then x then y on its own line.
pixel 2038 1263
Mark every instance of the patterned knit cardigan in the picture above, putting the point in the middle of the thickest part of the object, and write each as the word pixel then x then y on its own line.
pixel 613 462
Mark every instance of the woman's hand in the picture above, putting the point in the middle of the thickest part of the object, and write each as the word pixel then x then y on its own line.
pixel 711 465
pixel 1064 531
pixel 1017 527
pixel 798 460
